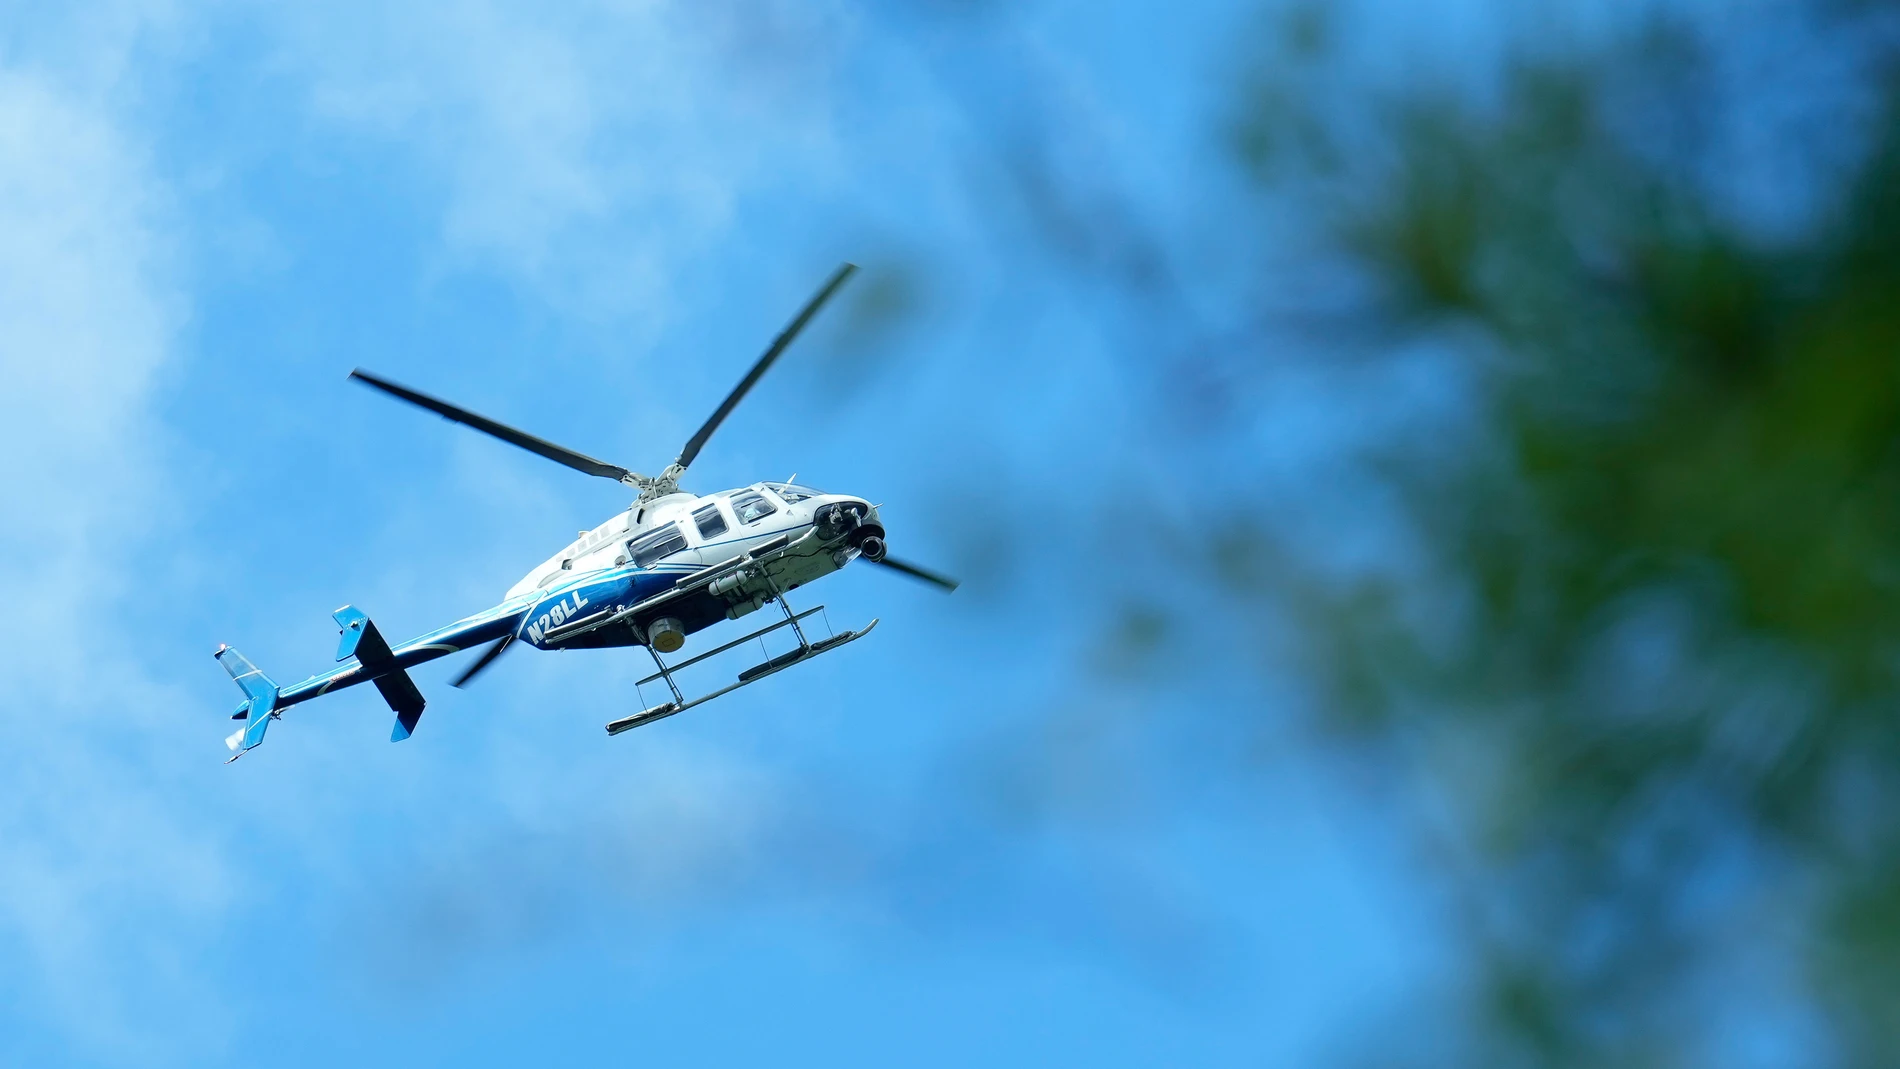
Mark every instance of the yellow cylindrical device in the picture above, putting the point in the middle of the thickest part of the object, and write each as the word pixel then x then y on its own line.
pixel 666 634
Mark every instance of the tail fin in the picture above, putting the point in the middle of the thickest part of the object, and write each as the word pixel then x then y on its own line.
pixel 260 700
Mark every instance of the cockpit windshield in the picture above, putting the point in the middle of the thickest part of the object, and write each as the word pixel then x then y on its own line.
pixel 792 493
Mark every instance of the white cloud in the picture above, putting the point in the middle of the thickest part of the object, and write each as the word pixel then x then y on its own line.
pixel 588 150
pixel 120 873
pixel 101 871
pixel 587 154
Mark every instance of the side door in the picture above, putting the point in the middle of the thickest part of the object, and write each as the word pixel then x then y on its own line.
pixel 758 516
pixel 714 538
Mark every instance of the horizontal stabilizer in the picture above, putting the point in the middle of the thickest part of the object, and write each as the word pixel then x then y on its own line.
pixel 360 638
pixel 403 697
pixel 362 641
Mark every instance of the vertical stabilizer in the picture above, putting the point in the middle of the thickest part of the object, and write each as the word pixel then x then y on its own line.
pixel 260 700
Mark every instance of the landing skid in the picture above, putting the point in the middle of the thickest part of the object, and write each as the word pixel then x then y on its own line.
pixel 772 666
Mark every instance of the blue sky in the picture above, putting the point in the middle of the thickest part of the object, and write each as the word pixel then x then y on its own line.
pixel 957 840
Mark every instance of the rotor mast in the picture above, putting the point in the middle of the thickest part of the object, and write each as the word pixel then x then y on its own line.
pixel 655 486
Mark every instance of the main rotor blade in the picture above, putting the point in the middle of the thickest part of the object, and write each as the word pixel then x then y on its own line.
pixel 915 572
pixel 540 446
pixel 487 658
pixel 784 339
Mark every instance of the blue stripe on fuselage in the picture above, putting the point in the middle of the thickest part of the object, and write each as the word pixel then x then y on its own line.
pixel 611 589
pixel 617 588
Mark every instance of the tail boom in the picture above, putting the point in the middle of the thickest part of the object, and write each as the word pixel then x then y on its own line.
pixel 371 660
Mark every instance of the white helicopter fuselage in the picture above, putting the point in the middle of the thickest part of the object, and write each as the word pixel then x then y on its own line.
pixel 656 545
pixel 606 545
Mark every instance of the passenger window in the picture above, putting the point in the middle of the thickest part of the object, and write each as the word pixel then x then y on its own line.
pixel 650 548
pixel 751 508
pixel 712 523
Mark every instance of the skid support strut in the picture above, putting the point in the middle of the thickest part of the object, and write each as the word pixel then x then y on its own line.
pixel 804 652
pixel 666 674
pixel 779 596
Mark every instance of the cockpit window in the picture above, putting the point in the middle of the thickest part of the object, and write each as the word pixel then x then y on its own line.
pixel 793 493
pixel 751 508
pixel 712 523
pixel 649 548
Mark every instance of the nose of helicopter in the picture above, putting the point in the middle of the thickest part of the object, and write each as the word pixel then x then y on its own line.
pixel 851 521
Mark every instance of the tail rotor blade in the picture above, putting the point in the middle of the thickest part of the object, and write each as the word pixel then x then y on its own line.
pixel 487 658
pixel 943 582
pixel 698 440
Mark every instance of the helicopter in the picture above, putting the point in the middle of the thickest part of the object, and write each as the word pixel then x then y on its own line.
pixel 670 565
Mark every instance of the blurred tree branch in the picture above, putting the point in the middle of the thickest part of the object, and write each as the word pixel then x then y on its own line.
pixel 1658 609
pixel 1636 623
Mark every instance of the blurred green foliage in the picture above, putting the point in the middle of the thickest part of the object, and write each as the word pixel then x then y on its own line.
pixel 1642 639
